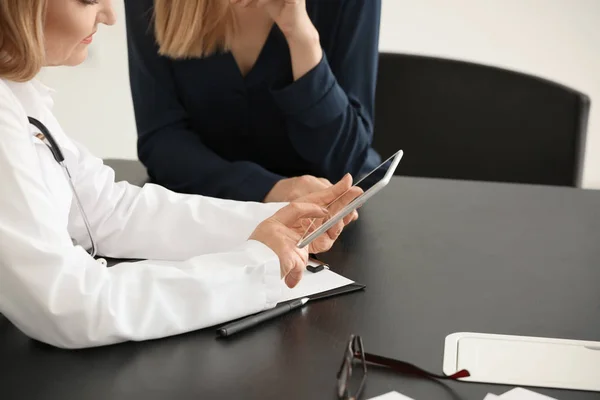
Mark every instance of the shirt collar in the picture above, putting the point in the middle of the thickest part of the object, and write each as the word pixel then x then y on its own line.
pixel 42 88
pixel 34 97
pixel 45 93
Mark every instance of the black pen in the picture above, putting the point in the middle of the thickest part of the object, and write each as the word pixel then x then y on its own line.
pixel 254 320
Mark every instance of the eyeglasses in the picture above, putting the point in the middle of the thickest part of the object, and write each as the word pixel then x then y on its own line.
pixel 354 353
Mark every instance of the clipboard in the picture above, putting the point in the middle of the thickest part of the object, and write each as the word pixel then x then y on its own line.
pixel 353 287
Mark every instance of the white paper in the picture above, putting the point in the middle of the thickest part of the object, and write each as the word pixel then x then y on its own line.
pixel 524 394
pixel 391 396
pixel 314 282
pixel 491 397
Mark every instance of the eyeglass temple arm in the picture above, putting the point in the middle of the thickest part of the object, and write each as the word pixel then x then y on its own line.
pixel 407 368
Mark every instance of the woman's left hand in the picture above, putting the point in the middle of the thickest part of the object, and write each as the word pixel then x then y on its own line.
pixel 289 15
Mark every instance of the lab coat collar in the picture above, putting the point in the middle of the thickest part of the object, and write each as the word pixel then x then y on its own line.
pixel 36 100
pixel 44 94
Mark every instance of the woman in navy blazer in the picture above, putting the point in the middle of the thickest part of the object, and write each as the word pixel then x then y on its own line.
pixel 258 100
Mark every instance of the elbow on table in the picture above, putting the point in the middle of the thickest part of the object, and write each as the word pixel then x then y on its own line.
pixel 72 327
pixel 68 335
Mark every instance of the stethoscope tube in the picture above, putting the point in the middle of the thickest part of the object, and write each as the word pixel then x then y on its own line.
pixel 56 151
pixel 60 158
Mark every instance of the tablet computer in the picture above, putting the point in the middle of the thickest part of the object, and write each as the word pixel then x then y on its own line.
pixel 371 183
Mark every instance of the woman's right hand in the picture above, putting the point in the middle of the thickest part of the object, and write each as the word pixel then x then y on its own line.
pixel 283 231
pixel 280 233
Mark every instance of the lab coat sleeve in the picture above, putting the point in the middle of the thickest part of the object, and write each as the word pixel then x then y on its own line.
pixel 153 222
pixel 56 293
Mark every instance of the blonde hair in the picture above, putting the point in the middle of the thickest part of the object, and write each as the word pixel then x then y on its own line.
pixel 21 38
pixel 192 28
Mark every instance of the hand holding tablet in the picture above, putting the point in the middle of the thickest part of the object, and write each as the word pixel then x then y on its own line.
pixel 370 184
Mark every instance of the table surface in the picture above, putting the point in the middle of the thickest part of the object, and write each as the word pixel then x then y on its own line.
pixel 437 257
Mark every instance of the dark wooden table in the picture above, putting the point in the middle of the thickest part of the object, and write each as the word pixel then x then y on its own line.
pixel 437 257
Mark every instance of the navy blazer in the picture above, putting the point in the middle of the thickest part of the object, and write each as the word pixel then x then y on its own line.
pixel 203 128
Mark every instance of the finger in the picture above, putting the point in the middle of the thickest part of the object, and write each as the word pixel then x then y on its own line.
pixel 342 186
pixel 336 230
pixel 334 192
pixel 295 275
pixel 291 213
pixel 353 216
pixel 312 184
pixel 345 199
pixel 321 245
pixel 293 278
pixel 325 183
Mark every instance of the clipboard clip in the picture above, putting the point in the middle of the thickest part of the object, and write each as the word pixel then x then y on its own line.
pixel 317 268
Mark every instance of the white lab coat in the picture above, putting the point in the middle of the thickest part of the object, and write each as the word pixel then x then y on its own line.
pixel 207 272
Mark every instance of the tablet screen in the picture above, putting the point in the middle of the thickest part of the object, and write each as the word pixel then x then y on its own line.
pixel 366 182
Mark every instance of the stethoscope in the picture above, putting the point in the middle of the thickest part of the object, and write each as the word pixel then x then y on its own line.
pixel 49 141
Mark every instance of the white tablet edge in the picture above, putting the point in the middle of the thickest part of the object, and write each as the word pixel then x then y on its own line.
pixel 360 200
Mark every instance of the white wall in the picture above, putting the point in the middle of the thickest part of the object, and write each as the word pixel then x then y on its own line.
pixel 554 39
pixel 93 101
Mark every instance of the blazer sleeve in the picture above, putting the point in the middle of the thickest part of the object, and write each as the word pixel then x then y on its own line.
pixel 330 110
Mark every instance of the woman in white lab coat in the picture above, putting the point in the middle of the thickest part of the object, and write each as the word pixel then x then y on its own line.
pixel 215 260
